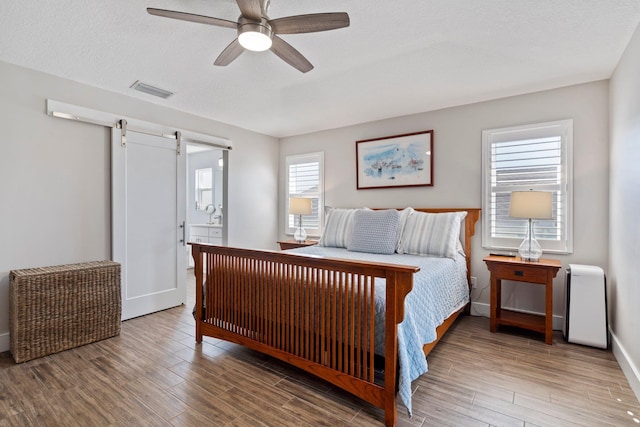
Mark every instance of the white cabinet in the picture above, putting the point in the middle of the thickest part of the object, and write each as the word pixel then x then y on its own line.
pixel 204 233
pixel 198 234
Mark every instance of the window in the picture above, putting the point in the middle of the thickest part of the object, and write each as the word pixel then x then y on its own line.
pixel 530 157
pixel 305 178
pixel 204 188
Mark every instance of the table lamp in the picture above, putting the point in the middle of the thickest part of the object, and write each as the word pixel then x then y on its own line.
pixel 300 206
pixel 531 205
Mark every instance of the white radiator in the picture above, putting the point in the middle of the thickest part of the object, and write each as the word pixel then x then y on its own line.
pixel 586 306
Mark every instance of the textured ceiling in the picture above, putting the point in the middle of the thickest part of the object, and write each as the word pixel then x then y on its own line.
pixel 398 57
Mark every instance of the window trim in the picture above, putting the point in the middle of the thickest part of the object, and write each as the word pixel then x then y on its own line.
pixel 562 128
pixel 304 158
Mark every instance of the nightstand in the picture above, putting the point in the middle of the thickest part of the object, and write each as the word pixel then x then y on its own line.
pixel 292 244
pixel 541 272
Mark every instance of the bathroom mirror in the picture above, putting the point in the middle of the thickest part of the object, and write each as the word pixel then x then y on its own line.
pixel 204 188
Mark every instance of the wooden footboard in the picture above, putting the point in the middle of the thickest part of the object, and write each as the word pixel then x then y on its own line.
pixel 314 313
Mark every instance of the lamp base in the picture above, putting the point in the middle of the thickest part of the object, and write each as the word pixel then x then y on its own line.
pixel 529 259
pixel 530 250
pixel 300 235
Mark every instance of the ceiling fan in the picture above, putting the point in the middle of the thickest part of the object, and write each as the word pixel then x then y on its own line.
pixel 257 32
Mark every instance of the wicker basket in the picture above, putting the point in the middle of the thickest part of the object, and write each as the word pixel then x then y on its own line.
pixel 57 308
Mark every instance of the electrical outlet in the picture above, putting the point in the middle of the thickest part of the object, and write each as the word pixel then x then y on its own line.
pixel 474 282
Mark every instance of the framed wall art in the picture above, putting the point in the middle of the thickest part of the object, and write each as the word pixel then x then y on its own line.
pixel 395 161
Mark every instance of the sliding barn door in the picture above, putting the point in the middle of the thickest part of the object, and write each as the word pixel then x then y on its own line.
pixel 148 214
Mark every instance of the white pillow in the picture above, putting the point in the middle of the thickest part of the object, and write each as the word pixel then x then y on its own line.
pixel 337 227
pixel 375 232
pixel 435 234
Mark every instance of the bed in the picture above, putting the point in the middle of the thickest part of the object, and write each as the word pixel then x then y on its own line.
pixel 336 309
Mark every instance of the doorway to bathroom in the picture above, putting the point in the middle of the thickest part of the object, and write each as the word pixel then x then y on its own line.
pixel 206 195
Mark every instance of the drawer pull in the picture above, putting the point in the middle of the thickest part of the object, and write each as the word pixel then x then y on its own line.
pixel 519 273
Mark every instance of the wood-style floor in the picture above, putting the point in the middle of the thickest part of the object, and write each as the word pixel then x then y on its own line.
pixel 154 374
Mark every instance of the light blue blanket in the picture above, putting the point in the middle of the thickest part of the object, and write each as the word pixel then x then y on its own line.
pixel 439 289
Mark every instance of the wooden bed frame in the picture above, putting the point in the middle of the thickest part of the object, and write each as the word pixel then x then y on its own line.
pixel 311 312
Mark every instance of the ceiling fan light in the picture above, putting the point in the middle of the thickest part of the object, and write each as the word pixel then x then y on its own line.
pixel 255 36
pixel 252 40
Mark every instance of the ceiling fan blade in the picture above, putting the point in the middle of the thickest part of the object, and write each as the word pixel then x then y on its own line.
pixel 310 23
pixel 209 20
pixel 229 53
pixel 250 9
pixel 290 55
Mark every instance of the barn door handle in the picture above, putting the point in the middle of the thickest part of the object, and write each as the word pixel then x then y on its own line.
pixel 184 231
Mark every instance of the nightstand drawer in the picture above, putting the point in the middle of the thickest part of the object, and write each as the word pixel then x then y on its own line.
pixel 523 273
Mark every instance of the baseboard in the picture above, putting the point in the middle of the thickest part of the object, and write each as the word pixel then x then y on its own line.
pixel 4 342
pixel 629 369
pixel 482 309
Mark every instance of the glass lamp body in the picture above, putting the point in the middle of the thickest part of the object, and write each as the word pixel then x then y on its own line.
pixel 530 249
pixel 300 234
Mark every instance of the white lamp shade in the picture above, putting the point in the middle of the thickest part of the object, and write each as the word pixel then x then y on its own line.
pixel 300 206
pixel 531 204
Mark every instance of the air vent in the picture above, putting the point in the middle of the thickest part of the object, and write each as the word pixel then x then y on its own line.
pixel 151 90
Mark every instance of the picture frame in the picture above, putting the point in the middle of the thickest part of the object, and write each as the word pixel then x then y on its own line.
pixel 395 161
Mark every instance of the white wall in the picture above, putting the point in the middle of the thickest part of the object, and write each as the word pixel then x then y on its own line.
pixel 457 172
pixel 624 233
pixel 55 176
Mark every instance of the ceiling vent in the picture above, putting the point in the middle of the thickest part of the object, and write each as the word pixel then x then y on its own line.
pixel 151 90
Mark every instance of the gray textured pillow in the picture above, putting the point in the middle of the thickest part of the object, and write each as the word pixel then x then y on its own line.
pixel 375 232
